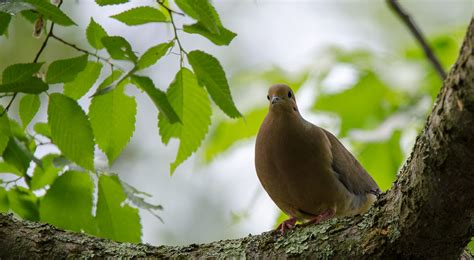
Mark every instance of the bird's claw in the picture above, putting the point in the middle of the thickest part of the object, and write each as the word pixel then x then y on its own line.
pixel 286 225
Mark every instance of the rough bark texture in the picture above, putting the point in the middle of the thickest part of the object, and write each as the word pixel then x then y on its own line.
pixel 428 213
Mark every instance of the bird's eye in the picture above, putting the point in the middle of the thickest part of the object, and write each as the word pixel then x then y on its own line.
pixel 268 97
pixel 289 94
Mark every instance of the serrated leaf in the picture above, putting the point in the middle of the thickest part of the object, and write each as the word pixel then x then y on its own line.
pixel 29 106
pixel 71 130
pixel 4 22
pixel 4 204
pixel 84 80
pixel 110 2
pixel 68 203
pixel 158 97
pixel 202 11
pixel 65 70
pixel 42 129
pixel 152 55
pixel 191 103
pixel 24 203
pixel 228 132
pixel 51 12
pixel 95 32
pixel 46 174
pixel 20 72
pixel 17 155
pixel 5 131
pixel 140 15
pixel 31 85
pixel 211 74
pixel 119 48
pixel 223 38
pixel 112 118
pixel 115 220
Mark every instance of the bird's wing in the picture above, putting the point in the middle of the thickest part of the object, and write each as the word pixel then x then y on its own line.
pixel 354 177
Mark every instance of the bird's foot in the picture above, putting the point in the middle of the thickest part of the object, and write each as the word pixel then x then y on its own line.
pixel 286 225
pixel 321 217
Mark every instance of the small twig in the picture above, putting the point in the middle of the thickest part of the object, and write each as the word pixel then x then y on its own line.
pixel 83 50
pixel 169 9
pixel 38 54
pixel 418 35
pixel 176 38
pixel 12 181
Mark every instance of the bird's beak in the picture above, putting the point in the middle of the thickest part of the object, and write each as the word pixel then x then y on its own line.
pixel 275 99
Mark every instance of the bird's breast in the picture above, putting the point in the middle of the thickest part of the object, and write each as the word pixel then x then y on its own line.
pixel 294 167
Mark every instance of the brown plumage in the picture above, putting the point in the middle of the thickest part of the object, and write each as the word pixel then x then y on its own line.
pixel 306 171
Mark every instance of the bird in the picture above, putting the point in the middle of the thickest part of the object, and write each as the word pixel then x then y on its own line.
pixel 305 169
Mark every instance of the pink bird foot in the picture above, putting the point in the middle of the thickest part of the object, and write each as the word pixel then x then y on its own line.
pixel 286 225
pixel 325 215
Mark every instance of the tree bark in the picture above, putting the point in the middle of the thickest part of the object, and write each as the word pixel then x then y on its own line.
pixel 428 213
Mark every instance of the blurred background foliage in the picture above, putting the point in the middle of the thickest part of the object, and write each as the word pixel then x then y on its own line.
pixel 373 88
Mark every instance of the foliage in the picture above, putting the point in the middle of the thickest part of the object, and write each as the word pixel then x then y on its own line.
pixel 66 188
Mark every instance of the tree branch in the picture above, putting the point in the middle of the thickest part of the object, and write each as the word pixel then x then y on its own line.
pixel 428 213
pixel 418 35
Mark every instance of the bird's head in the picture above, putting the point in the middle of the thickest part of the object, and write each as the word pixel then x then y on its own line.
pixel 282 99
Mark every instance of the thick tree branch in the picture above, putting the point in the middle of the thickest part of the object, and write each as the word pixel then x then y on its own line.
pixel 428 213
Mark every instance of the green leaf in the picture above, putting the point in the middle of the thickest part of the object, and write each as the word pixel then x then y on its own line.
pixel 65 70
pixel 51 12
pixel 191 103
pixel 17 155
pixel 119 48
pixel 223 38
pixel 382 159
pixel 29 106
pixel 4 22
pixel 202 11
pixel 5 132
pixel 363 106
pixel 152 55
pixel 68 203
pixel 24 203
pixel 4 203
pixel 157 96
pixel 140 15
pixel 112 118
pixel 42 129
pixel 84 80
pixel 110 2
pixel 228 132
pixel 71 130
pixel 46 174
pixel 18 132
pixel 95 32
pixel 20 72
pixel 31 85
pixel 115 220
pixel 8 168
pixel 209 72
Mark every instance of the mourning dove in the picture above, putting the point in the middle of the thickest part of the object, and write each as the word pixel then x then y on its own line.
pixel 305 169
